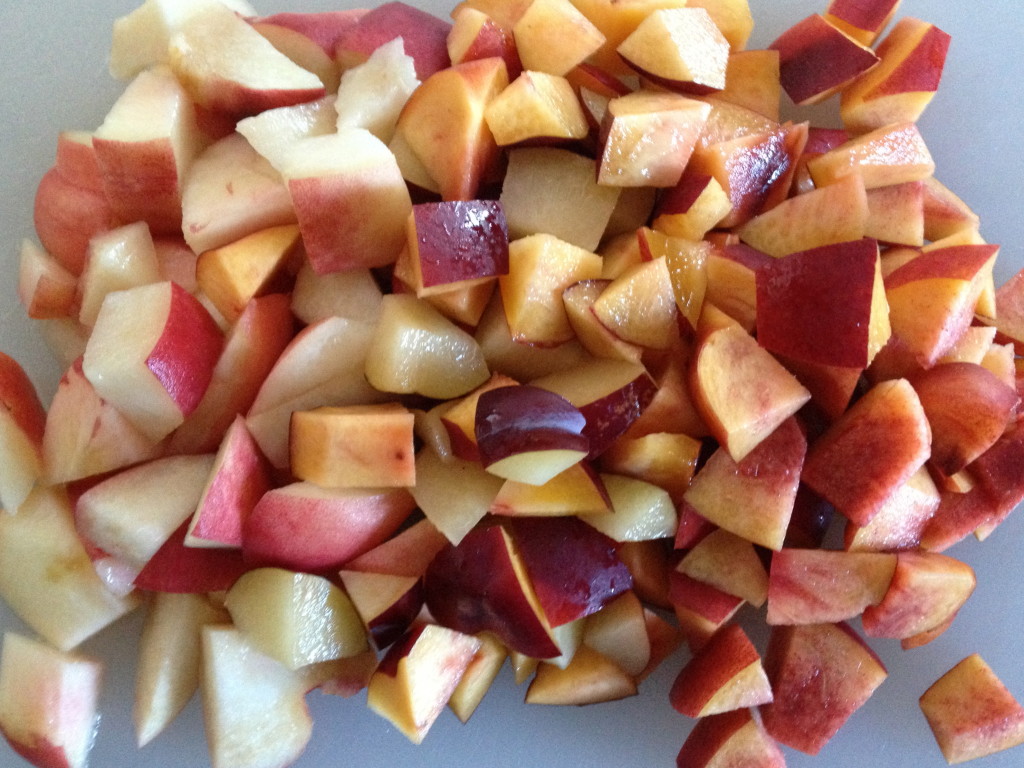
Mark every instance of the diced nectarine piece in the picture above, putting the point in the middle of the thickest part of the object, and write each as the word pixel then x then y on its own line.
pixel 766 478
pixel 540 268
pixel 816 59
pixel 444 127
pixel 536 106
pixel 820 674
pixel 647 138
pixel 912 57
pixel 852 318
pixel 971 712
pixel 824 216
pixel 861 20
pixel 860 462
pixel 553 36
pixel 892 154
pixel 742 392
pixel 679 48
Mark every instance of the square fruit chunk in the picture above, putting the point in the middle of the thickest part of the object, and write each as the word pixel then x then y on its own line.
pixel 971 712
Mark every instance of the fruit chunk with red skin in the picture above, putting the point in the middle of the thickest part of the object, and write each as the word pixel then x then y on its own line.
pixel 240 476
pixel 680 49
pixel 816 60
pixel 1010 311
pixel 251 348
pixel 824 306
pixel 647 138
pixel 418 676
pixel 457 242
pixel 408 553
pixel 481 585
pixel 820 674
pixel 350 199
pixel 968 409
pixel 932 298
pixel 813 586
pixel 70 206
pixel 230 68
pixel 742 392
pixel 730 563
pixel 899 524
pixel 926 591
pixel 912 57
pixel 48 702
pixel 179 568
pixel 478 34
pixel 700 608
pixel 865 456
pixel 22 428
pixel 837 213
pixel 388 604
pixel 45 287
pixel 574 569
pixel 85 435
pixel 692 207
pixel 443 126
pixel 308 528
pixel 725 675
pixel 611 395
pixel 528 434
pixel 145 148
pixel 861 20
pixel 730 740
pixel 151 354
pixel 971 712
pixel 423 35
pixel 754 168
pixel 46 577
pixel 753 498
pixel 892 154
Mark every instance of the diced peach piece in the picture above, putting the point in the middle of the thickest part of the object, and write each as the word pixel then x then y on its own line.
pixel 816 59
pixel 971 712
pixel 553 36
pixel 647 138
pixel 679 48
pixel 860 19
pixel 892 154
pixel 872 450
pixel 912 57
pixel 766 478
pixel 536 106
pixel 541 267
pixel 742 392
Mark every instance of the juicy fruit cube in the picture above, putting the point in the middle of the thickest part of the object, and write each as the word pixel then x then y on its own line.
pixel 971 712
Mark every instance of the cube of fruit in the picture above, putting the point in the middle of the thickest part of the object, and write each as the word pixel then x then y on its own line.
pixel 971 712
pixel 679 48
pixel 647 138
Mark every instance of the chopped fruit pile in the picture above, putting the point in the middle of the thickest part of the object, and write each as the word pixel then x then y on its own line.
pixel 398 347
